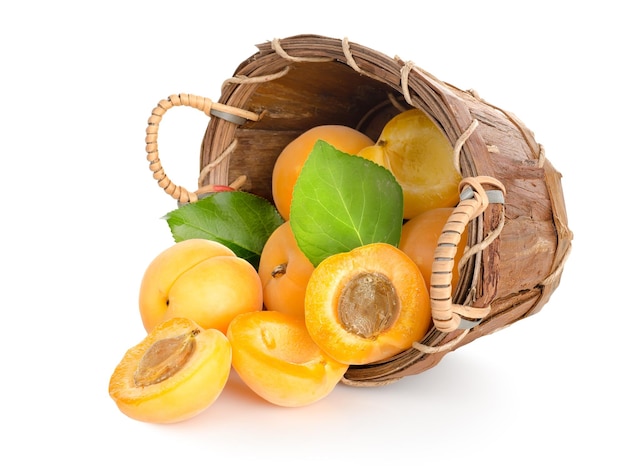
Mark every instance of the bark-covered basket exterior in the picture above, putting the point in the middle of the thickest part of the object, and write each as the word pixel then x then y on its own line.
pixel 303 81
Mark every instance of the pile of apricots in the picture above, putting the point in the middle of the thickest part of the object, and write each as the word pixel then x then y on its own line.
pixel 290 329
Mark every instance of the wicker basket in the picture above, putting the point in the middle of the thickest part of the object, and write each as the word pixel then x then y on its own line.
pixel 511 198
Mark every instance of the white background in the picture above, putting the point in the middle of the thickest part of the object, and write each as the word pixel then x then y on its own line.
pixel 81 219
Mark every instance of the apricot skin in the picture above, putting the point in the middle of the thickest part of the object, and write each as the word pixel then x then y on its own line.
pixel 188 392
pixel 291 159
pixel 216 291
pixel 284 290
pixel 198 279
pixel 419 239
pixel 328 282
pixel 277 359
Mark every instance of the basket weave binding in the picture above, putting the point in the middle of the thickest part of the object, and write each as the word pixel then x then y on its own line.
pixel 208 107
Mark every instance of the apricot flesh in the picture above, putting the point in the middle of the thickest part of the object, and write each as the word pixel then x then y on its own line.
pixel 367 304
pixel 276 358
pixel 177 371
pixel 421 158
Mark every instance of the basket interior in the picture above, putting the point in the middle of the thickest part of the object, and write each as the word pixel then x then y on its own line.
pixel 310 94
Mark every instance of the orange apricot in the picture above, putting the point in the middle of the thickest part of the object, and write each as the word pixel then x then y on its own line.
pixel 198 279
pixel 276 358
pixel 177 371
pixel 284 271
pixel 367 304
pixel 291 159
pixel 419 239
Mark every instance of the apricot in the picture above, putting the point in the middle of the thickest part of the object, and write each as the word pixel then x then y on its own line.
pixel 177 371
pixel 367 304
pixel 277 359
pixel 290 161
pixel 419 239
pixel 421 157
pixel 198 279
pixel 284 271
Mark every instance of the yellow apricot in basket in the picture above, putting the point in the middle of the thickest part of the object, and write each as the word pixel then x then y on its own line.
pixel 421 158
pixel 284 271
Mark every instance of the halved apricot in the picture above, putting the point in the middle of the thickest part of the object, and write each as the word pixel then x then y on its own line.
pixel 176 372
pixel 275 356
pixel 421 158
pixel 367 304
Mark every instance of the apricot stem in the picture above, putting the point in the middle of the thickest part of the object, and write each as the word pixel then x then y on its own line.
pixel 279 270
pixel 165 358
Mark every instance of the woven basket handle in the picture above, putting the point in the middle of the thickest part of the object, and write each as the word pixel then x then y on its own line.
pixel 208 107
pixel 474 199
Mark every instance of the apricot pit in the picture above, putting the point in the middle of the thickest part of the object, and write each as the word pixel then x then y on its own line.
pixel 368 304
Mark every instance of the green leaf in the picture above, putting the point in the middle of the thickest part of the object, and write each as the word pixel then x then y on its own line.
pixel 342 201
pixel 241 221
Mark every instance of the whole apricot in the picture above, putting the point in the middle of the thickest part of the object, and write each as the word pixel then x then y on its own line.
pixel 284 271
pixel 421 157
pixel 275 356
pixel 176 372
pixel 198 279
pixel 367 304
pixel 290 161
pixel 419 239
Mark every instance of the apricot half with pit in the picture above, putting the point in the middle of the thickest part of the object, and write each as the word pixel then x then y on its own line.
pixel 176 372
pixel 367 304
pixel 275 356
